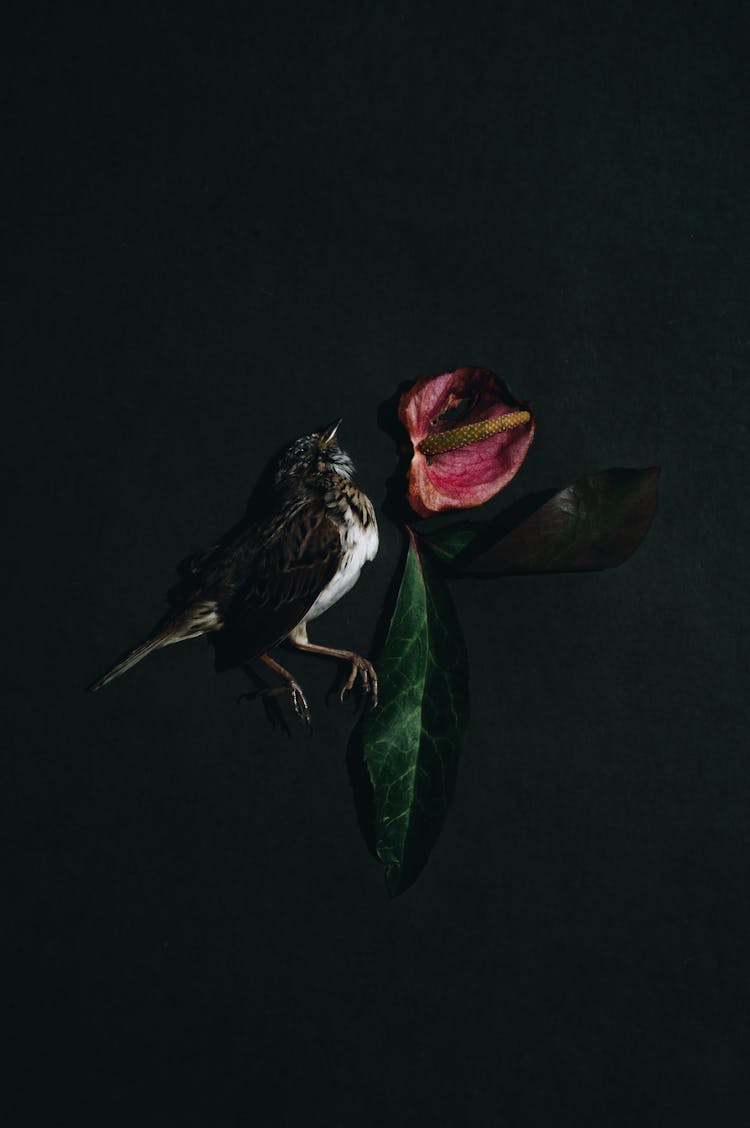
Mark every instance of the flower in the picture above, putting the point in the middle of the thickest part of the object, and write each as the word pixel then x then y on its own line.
pixel 470 435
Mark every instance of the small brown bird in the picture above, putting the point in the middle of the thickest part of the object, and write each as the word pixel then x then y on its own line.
pixel 270 576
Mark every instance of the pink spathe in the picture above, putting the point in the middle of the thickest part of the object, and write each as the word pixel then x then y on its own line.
pixel 469 475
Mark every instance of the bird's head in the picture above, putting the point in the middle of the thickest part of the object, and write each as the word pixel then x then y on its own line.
pixel 314 455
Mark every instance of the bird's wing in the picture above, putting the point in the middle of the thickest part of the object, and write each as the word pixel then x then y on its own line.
pixel 189 572
pixel 192 565
pixel 280 578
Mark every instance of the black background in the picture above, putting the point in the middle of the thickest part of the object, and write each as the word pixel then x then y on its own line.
pixel 224 231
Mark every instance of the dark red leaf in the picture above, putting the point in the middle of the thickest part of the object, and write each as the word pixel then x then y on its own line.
pixel 594 523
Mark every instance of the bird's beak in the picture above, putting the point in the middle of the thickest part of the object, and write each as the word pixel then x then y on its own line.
pixel 328 434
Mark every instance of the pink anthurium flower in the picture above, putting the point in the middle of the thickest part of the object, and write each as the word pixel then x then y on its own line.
pixel 470 435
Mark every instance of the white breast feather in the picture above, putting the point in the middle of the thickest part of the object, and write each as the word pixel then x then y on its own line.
pixel 358 546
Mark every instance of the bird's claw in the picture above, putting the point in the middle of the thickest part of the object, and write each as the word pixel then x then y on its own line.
pixel 299 701
pixel 366 671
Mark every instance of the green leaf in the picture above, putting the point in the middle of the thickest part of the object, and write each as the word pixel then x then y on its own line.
pixel 412 741
pixel 451 541
pixel 596 522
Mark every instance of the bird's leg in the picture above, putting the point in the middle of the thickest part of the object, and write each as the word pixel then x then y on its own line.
pixel 269 697
pixel 301 708
pixel 360 665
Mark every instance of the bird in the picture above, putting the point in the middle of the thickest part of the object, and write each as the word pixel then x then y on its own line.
pixel 275 572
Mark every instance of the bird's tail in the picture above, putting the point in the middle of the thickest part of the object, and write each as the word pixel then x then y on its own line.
pixel 155 642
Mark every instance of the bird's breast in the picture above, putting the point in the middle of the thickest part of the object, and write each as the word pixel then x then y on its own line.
pixel 354 515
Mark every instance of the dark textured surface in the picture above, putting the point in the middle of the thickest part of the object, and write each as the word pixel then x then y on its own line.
pixel 220 233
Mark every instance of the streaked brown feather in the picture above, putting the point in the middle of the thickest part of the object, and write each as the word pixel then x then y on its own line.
pixel 251 589
pixel 276 580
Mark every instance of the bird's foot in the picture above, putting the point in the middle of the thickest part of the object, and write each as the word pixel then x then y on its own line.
pixel 366 671
pixel 299 701
pixel 274 712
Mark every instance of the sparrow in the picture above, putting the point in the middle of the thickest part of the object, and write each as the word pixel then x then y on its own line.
pixel 272 574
